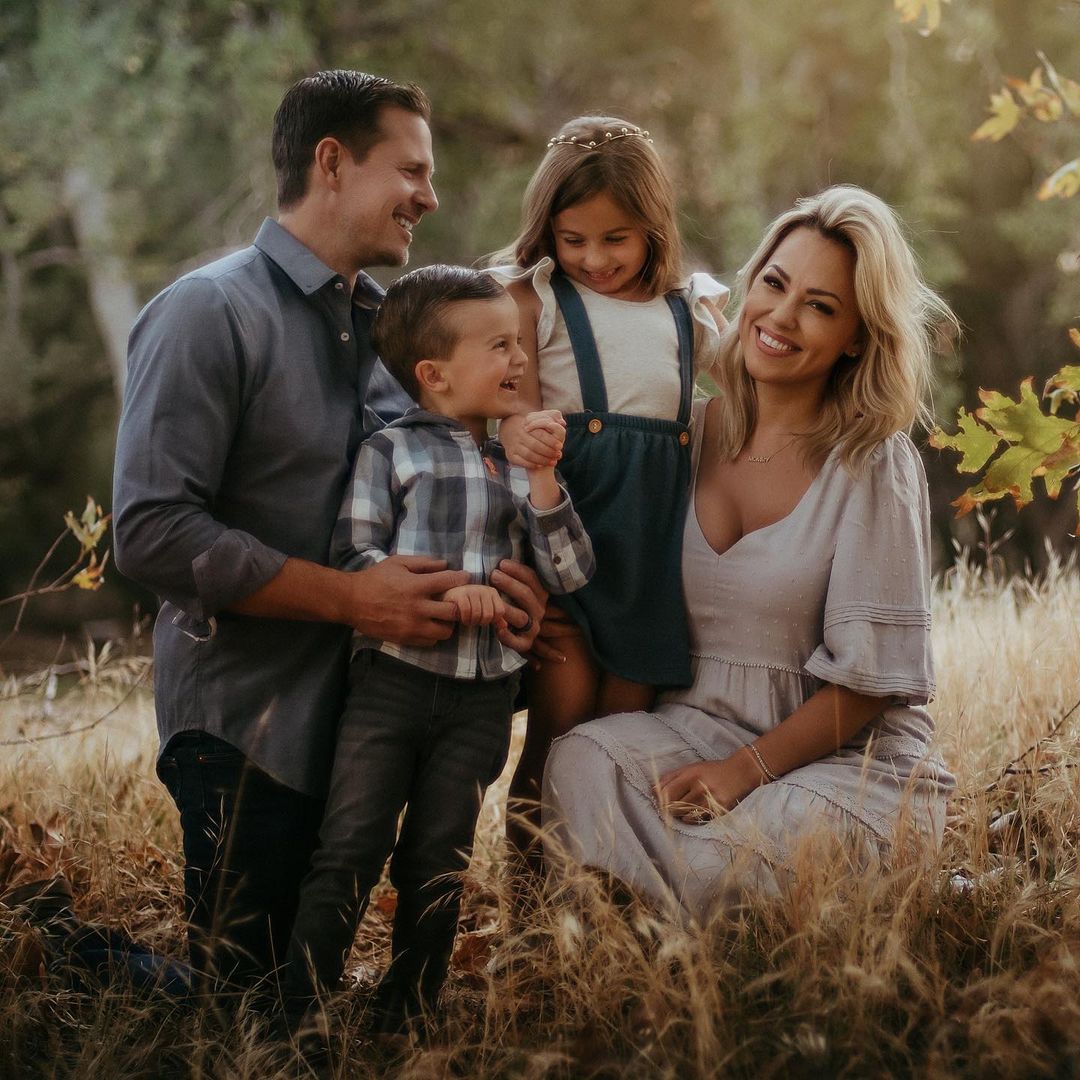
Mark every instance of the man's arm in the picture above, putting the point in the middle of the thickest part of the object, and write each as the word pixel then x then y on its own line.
pixel 182 404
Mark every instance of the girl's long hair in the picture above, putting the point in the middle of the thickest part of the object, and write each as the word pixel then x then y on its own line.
pixel 628 169
pixel 885 388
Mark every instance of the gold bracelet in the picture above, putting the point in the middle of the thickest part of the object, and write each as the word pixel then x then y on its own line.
pixel 756 754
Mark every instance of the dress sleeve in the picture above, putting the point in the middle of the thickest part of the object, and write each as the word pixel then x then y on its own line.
pixel 540 275
pixel 876 637
pixel 706 295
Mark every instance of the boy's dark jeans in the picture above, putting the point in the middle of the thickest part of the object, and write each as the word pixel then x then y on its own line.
pixel 247 846
pixel 406 737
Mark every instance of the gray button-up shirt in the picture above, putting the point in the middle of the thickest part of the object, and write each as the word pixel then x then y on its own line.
pixel 242 413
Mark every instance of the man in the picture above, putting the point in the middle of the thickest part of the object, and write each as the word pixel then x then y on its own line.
pixel 242 414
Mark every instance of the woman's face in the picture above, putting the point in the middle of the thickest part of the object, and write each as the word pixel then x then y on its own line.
pixel 799 315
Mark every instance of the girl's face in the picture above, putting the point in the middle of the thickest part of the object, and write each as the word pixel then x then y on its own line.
pixel 800 314
pixel 599 245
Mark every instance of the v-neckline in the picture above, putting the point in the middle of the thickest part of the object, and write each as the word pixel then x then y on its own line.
pixel 753 532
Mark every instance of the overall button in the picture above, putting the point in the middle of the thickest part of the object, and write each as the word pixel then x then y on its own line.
pixel 595 426
pixel 684 437
pixel 344 335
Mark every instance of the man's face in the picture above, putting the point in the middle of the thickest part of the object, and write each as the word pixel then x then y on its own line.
pixel 386 194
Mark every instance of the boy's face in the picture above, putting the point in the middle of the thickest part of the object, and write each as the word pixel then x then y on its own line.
pixel 481 374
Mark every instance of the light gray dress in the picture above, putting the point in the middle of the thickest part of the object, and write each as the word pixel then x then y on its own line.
pixel 836 592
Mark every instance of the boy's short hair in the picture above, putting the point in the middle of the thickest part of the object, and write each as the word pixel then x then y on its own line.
pixel 410 327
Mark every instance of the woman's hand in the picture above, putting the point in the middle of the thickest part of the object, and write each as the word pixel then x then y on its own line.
pixel 698 792
pixel 530 441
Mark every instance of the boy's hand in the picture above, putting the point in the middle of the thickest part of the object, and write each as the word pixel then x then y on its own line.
pixel 478 605
pixel 536 447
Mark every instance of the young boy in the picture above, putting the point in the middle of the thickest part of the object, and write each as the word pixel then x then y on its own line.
pixel 428 728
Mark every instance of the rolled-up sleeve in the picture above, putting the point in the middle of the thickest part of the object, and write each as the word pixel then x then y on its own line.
pixel 181 407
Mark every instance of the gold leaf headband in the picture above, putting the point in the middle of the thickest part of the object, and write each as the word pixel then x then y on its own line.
pixel 592 144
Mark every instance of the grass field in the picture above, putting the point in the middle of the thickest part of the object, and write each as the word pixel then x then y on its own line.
pixel 967 967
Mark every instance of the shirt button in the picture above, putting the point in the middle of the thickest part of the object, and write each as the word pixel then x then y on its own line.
pixel 344 335
pixel 595 426
pixel 339 285
pixel 556 559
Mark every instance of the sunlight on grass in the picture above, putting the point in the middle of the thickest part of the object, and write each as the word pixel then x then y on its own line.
pixel 965 967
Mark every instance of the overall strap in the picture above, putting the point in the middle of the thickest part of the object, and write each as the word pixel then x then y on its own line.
pixel 684 326
pixel 590 375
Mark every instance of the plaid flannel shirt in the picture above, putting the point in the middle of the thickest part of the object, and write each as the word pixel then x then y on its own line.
pixel 421 486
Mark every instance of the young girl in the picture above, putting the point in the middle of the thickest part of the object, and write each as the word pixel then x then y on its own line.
pixel 616 335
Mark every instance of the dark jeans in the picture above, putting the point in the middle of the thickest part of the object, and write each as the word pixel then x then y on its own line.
pixel 407 738
pixel 247 846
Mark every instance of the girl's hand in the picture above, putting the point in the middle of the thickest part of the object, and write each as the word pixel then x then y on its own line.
pixel 538 448
pixel 478 605
pixel 549 426
pixel 699 792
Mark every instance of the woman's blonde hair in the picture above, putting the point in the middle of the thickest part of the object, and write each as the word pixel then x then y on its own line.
pixel 884 388
pixel 623 164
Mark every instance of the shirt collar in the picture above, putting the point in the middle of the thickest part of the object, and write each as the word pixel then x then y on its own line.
pixel 307 271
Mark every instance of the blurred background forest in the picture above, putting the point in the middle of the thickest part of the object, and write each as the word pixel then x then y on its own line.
pixel 134 145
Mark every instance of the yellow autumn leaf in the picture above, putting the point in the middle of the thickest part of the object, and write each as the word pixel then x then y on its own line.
pixel 1074 336
pixel 1004 116
pixel 1060 465
pixel 974 441
pixel 90 576
pixel 925 14
pixel 1068 90
pixel 1063 183
pixel 1044 104
pixel 90 527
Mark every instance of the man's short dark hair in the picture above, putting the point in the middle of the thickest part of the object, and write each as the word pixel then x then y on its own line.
pixel 410 325
pixel 344 104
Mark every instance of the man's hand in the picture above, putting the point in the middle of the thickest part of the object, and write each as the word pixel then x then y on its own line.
pixel 520 585
pixel 478 605
pixel 399 600
pixel 535 446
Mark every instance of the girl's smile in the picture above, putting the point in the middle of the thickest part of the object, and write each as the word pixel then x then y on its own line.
pixel 599 245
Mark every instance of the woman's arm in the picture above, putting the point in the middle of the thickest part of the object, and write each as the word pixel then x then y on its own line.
pixel 822 724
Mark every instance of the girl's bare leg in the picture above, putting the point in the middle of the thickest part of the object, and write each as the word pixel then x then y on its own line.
pixel 617 695
pixel 561 696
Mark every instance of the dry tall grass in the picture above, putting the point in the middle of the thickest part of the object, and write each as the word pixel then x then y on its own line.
pixel 966 968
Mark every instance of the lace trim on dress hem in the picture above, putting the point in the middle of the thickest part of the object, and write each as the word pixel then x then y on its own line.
pixel 869 682
pixel 877 613
pixel 635 777
pixel 747 663
pixel 878 825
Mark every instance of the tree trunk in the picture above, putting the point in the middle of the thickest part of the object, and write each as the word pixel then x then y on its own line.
pixel 112 292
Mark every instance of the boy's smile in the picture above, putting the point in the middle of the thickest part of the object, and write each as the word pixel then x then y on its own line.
pixel 480 376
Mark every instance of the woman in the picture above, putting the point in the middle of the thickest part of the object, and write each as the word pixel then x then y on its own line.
pixel 806 571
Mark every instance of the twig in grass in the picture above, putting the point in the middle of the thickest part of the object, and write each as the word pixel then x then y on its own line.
pixel 26 741
pixel 1011 770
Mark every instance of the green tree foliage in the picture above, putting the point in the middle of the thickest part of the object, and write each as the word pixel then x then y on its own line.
pixel 1013 441
pixel 134 145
